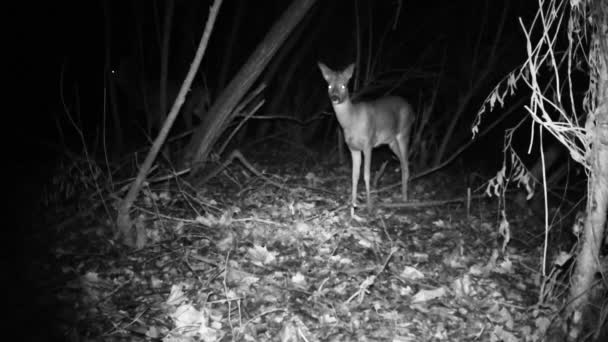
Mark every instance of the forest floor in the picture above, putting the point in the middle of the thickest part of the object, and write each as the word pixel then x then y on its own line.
pixel 279 258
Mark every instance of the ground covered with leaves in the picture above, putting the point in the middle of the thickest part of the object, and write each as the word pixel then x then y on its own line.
pixel 279 258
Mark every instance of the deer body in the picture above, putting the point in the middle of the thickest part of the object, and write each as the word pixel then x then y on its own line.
pixel 369 124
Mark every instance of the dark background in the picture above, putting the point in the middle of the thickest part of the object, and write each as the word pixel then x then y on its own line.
pixel 61 45
pixel 70 35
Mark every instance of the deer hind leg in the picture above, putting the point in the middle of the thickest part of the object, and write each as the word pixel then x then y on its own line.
pixel 399 146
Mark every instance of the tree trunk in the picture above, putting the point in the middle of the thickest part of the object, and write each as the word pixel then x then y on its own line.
pixel 221 112
pixel 263 127
pixel 304 47
pixel 241 6
pixel 588 261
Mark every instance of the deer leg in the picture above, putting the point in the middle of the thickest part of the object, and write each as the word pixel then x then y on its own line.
pixel 356 157
pixel 367 163
pixel 402 142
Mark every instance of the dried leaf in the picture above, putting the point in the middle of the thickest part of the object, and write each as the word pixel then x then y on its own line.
pixel 411 273
pixel 426 295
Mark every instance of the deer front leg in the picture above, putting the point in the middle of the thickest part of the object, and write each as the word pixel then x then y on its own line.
pixel 367 154
pixel 356 158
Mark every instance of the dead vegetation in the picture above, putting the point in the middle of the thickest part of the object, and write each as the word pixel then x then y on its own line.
pixel 242 259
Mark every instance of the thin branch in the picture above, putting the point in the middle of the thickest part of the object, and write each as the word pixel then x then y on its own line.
pixel 123 221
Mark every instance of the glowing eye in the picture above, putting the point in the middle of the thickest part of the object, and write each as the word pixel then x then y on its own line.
pixel 342 86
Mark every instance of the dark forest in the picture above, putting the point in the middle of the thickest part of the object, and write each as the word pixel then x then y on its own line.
pixel 304 170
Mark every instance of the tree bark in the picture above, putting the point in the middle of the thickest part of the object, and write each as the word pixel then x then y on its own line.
pixel 221 112
pixel 241 6
pixel 286 51
pixel 588 261
pixel 304 47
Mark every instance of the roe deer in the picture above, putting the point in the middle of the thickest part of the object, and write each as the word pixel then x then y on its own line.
pixel 368 124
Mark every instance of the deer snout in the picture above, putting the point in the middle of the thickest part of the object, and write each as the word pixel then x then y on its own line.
pixel 335 98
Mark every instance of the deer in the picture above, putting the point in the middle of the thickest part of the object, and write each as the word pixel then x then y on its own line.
pixel 368 124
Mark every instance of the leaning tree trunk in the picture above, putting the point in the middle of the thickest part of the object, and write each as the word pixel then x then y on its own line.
pixel 588 264
pixel 230 43
pixel 303 50
pixel 221 112
pixel 285 52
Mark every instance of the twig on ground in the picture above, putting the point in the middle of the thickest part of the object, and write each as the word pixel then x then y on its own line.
pixel 422 204
pixel 236 154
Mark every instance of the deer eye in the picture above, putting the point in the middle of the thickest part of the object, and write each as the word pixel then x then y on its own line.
pixel 342 86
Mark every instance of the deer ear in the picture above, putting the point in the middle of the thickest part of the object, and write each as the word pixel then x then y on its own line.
pixel 348 72
pixel 325 71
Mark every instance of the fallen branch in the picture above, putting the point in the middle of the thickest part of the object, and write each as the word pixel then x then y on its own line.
pixel 236 154
pixel 433 203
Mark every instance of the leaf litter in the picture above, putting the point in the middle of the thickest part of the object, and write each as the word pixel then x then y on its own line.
pixel 257 263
